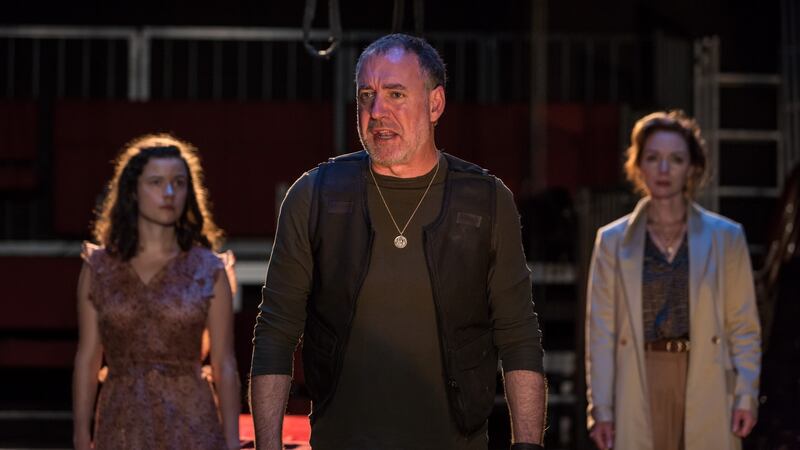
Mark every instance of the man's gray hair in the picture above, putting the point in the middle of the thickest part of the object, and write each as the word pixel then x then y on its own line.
pixel 429 60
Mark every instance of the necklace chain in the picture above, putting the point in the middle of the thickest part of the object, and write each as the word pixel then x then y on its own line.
pixel 667 244
pixel 401 241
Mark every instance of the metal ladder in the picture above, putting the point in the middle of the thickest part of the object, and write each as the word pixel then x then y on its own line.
pixel 709 81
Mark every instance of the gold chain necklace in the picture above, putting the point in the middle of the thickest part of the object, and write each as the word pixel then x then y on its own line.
pixel 668 245
pixel 400 241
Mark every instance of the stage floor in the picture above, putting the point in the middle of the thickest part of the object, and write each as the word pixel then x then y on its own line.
pixel 296 431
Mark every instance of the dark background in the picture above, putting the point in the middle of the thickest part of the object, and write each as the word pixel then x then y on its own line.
pixel 57 138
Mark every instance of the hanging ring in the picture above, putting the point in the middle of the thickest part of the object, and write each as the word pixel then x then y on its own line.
pixel 334 22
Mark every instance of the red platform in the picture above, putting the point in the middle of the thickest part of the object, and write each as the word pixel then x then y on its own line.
pixel 296 431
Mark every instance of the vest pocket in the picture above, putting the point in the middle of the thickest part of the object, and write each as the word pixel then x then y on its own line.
pixel 473 220
pixel 319 336
pixel 338 207
pixel 319 347
pixel 471 354
pixel 476 377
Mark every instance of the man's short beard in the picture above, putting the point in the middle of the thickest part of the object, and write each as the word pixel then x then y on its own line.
pixel 386 162
pixel 375 157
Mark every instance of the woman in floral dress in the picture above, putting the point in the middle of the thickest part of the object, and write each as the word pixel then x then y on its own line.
pixel 146 293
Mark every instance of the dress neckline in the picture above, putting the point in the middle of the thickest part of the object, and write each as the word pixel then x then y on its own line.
pixel 158 274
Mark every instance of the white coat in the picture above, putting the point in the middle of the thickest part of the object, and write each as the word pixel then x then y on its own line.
pixel 725 335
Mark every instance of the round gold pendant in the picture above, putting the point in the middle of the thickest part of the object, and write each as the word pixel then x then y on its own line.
pixel 400 241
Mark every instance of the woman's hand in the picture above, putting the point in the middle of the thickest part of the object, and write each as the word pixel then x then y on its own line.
pixel 83 442
pixel 743 422
pixel 603 435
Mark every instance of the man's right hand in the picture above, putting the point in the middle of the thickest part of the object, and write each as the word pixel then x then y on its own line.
pixel 603 435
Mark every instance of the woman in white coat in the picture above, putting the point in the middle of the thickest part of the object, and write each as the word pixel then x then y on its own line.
pixel 673 342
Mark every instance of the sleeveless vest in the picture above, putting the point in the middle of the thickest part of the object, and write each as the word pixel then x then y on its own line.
pixel 458 251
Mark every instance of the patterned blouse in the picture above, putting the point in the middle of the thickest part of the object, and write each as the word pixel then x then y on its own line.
pixel 665 293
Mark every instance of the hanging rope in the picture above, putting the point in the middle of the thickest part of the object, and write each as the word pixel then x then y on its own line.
pixel 334 23
pixel 398 16
pixel 419 16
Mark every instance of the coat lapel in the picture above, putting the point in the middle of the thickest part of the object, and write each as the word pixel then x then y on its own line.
pixel 631 257
pixel 700 242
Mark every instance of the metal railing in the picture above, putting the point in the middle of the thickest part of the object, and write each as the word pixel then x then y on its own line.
pixel 271 64
pixel 790 73
pixel 60 62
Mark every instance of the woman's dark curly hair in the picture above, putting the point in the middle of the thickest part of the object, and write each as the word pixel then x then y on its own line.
pixel 116 224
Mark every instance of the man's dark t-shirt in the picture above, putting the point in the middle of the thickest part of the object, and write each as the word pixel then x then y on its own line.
pixel 391 392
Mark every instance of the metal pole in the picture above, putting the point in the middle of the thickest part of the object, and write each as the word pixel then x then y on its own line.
pixel 216 63
pixel 192 73
pixel 538 100
pixel 613 66
pixel 86 68
pixel 241 57
pixel 266 70
pixel 60 61
pixel 790 78
pixel 166 71
pixel 340 82
pixel 291 71
pixel 134 71
pixel 35 76
pixel 111 74
pixel 714 88
pixel 144 65
pixel 787 86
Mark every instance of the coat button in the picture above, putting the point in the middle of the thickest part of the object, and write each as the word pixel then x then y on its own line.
pixel 715 340
pixel 623 341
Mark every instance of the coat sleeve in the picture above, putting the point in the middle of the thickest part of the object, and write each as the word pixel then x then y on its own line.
pixel 600 334
pixel 742 326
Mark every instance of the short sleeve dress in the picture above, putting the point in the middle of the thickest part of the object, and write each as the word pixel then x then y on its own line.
pixel 154 396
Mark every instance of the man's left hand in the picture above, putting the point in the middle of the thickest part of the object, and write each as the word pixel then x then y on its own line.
pixel 743 422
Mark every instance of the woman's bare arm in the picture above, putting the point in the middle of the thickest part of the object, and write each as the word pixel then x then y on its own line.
pixel 223 359
pixel 87 364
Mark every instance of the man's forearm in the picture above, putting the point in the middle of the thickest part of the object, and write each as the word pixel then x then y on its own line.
pixel 268 397
pixel 526 393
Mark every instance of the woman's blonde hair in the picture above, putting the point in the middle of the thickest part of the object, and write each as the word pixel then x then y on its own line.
pixel 676 121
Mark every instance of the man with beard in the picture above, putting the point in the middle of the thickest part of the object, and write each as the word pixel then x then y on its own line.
pixel 402 268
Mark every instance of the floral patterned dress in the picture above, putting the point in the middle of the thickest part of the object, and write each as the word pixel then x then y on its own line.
pixel 154 396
